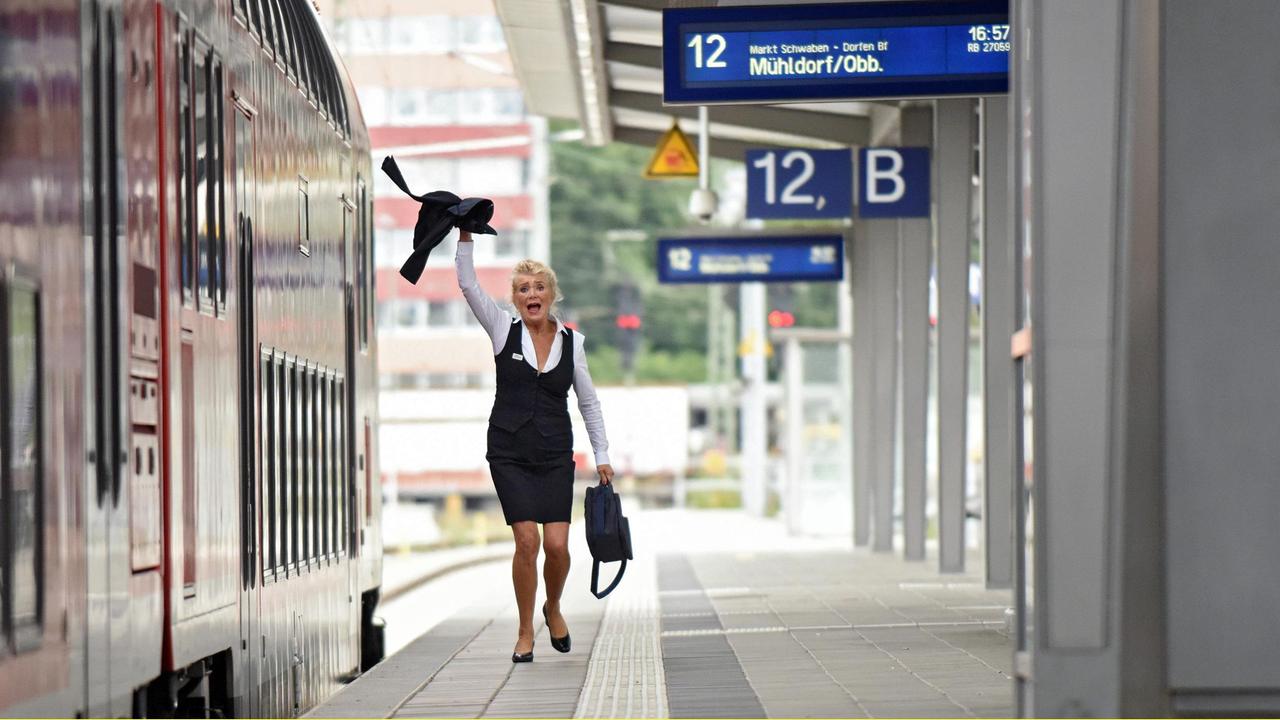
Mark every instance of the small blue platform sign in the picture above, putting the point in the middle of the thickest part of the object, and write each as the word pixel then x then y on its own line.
pixel 830 51
pixel 789 183
pixel 747 258
pixel 893 182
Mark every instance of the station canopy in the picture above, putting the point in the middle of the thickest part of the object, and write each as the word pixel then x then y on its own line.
pixel 599 62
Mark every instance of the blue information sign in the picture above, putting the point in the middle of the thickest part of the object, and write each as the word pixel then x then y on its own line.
pixel 859 50
pixel 761 258
pixel 893 182
pixel 788 183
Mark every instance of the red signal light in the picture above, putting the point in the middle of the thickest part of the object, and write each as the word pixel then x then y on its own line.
pixel 781 319
pixel 628 322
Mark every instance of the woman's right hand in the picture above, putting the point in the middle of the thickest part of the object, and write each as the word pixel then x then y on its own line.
pixel 464 235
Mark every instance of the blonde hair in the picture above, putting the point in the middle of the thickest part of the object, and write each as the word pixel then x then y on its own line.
pixel 532 267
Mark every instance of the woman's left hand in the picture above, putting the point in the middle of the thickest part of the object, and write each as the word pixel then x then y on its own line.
pixel 605 472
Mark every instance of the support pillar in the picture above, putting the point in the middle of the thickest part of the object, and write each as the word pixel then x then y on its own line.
pixel 863 381
pixel 914 241
pixel 953 157
pixel 754 410
pixel 882 236
pixel 997 328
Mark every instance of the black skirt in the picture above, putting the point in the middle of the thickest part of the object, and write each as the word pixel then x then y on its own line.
pixel 532 473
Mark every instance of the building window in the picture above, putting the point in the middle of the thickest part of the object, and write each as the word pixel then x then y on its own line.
pixel 361 36
pixel 490 106
pixel 490 176
pixel 440 313
pixel 429 34
pixel 394 246
pixel 480 33
pixel 373 103
pixel 511 244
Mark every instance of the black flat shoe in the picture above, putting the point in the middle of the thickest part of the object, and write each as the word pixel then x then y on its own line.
pixel 562 643
pixel 522 657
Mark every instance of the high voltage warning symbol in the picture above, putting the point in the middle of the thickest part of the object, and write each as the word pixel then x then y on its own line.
pixel 674 156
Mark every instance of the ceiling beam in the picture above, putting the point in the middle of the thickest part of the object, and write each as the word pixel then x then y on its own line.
pixel 655 5
pixel 829 127
pixel 633 54
pixel 724 149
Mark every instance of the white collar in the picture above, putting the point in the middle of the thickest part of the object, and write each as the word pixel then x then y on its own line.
pixel 525 328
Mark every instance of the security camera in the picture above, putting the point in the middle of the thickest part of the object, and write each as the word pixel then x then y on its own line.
pixel 702 204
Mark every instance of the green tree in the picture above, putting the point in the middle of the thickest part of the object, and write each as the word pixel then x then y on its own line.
pixel 596 190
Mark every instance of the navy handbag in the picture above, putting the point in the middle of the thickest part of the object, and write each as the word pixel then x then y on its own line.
pixel 608 534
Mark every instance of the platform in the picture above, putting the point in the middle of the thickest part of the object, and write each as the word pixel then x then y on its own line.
pixel 778 627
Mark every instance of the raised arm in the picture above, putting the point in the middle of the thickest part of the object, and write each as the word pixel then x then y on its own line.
pixel 495 320
pixel 589 406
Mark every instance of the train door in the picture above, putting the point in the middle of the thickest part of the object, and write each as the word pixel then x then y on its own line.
pixel 251 574
pixel 351 480
pixel 106 538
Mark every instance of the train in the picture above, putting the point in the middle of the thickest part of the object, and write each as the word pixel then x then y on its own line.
pixel 190 521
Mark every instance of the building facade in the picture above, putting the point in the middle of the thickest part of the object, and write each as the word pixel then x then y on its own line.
pixel 437 90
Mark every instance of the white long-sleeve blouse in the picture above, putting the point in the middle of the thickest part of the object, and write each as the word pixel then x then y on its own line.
pixel 497 322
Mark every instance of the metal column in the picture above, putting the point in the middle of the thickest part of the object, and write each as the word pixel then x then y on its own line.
pixel 953 157
pixel 863 384
pixel 914 241
pixel 997 328
pixel 882 236
pixel 754 412
pixel 1090 177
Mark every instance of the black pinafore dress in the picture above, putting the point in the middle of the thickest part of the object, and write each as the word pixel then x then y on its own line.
pixel 530 450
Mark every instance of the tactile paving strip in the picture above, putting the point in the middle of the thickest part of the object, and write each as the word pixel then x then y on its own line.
pixel 625 678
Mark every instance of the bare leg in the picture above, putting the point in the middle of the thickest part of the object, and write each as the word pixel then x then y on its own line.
pixel 555 541
pixel 524 576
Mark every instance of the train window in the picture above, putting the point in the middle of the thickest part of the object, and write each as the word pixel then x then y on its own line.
pixel 269 28
pixel 321 74
pixel 302 55
pixel 366 463
pixel 218 188
pixel 344 483
pixel 22 496
pixel 291 39
pixel 308 42
pixel 247 11
pixel 282 42
pixel 268 455
pixel 366 261
pixel 297 555
pixel 322 457
pixel 313 457
pixel 187 359
pixel 335 477
pixel 203 172
pixel 281 489
pixel 185 169
pixel 304 218
pixel 307 500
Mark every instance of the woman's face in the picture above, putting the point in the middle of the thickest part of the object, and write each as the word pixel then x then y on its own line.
pixel 532 297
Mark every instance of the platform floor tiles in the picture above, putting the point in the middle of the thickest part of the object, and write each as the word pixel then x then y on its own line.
pixel 789 634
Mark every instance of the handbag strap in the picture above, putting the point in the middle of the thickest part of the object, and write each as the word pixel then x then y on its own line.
pixel 595 578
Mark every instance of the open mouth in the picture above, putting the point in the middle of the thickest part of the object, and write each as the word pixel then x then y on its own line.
pixel 533 307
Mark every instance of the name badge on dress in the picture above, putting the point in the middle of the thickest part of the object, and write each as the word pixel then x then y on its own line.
pixel 517 356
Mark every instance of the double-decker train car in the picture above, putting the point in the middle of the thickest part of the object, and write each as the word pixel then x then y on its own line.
pixel 189 523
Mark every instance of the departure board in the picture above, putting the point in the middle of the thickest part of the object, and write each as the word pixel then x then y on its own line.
pixel 843 51
pixel 751 257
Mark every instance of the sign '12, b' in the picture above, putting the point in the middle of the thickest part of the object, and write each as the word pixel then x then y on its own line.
pixel 790 183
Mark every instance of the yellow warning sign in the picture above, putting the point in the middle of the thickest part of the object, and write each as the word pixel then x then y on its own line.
pixel 674 156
